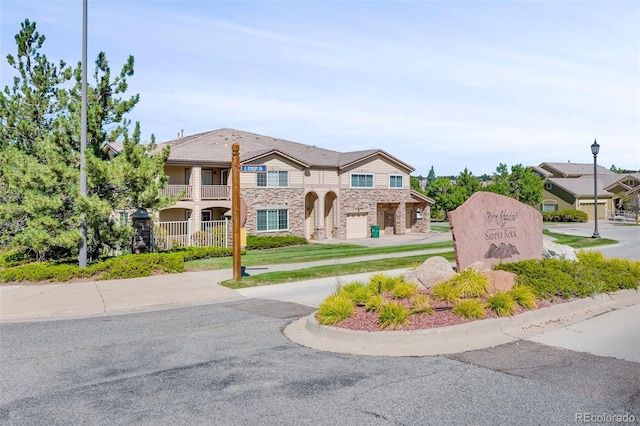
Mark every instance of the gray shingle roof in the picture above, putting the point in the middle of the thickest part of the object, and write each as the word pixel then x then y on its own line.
pixel 583 186
pixel 574 169
pixel 215 147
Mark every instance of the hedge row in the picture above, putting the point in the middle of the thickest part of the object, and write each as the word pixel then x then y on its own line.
pixel 128 266
pixel 193 253
pixel 255 242
pixel 565 216
pixel 591 274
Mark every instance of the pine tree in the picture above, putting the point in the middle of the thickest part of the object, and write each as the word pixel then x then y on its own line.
pixel 39 156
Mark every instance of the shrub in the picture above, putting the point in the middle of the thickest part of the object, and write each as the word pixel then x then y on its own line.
pixel 199 239
pixel 142 265
pixel 392 315
pixel 469 309
pixel 421 305
pixel 357 292
pixel 446 292
pixel 334 309
pixel 385 282
pixel 523 296
pixel 565 216
pixel 502 304
pixel 404 290
pixel 471 283
pixel 193 253
pixel 375 303
pixel 15 258
pixel 255 242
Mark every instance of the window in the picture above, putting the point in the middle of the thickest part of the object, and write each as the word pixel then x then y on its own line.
pixel 549 206
pixel 187 176
pixel 548 185
pixel 273 179
pixel 123 217
pixel 361 180
pixel 207 177
pixel 205 215
pixel 273 220
pixel 395 181
pixel 225 176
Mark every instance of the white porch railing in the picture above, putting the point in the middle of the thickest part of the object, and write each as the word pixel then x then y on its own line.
pixel 175 190
pixel 621 216
pixel 215 192
pixel 213 233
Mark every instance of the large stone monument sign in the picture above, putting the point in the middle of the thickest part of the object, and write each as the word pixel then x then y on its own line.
pixel 492 228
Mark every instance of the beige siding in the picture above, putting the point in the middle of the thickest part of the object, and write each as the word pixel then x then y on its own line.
pixel 381 170
pixel 176 174
pixel 321 178
pixel 296 173
pixel 171 215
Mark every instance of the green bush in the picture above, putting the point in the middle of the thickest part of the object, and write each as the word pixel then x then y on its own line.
pixel 385 282
pixel 358 292
pixel 193 253
pixel 446 292
pixel 591 274
pixel 565 216
pixel 470 309
pixel 375 303
pixel 404 290
pixel 421 305
pixel 334 309
pixel 471 283
pixel 255 242
pixel 15 258
pixel 502 304
pixel 393 315
pixel 523 296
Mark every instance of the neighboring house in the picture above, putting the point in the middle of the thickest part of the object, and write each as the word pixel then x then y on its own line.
pixel 570 186
pixel 306 191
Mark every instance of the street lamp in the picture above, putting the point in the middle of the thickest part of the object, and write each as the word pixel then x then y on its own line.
pixel 595 148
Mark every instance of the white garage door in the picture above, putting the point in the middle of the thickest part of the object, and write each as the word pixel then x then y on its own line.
pixel 357 225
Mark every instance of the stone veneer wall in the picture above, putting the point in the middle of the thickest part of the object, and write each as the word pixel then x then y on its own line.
pixel 263 198
pixel 366 201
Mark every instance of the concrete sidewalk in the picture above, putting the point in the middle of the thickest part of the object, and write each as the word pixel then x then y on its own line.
pixel 111 297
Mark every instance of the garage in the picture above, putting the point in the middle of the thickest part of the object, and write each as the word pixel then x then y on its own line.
pixel 357 225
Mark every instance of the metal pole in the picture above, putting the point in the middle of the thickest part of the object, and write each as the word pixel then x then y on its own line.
pixel 82 256
pixel 595 195
pixel 235 209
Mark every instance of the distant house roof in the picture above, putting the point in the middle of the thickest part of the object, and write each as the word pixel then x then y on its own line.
pixel 627 183
pixel 540 171
pixel 583 186
pixel 214 147
pixel 573 170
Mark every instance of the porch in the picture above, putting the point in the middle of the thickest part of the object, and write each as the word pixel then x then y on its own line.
pixel 213 233
pixel 621 216
pixel 207 192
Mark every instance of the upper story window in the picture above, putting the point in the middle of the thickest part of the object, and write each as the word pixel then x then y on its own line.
pixel 395 181
pixel 273 179
pixel 362 180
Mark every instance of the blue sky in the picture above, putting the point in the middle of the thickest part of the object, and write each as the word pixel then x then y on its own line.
pixel 445 83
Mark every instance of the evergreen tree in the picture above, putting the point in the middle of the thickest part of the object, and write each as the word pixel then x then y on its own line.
pixel 446 195
pixel 468 182
pixel 39 156
pixel 430 177
pixel 521 184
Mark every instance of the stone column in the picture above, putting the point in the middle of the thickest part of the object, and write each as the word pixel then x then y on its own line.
pixel 401 219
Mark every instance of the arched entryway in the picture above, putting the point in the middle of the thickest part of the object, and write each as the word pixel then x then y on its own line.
pixel 310 203
pixel 331 215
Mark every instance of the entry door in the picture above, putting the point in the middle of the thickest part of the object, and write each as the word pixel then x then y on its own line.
pixel 207 177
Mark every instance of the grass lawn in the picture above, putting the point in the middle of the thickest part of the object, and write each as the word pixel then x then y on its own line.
pixel 307 253
pixel 332 270
pixel 576 241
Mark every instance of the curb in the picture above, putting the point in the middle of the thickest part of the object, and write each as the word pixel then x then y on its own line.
pixel 458 338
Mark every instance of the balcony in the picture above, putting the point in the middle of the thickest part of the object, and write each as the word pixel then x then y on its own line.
pixel 207 192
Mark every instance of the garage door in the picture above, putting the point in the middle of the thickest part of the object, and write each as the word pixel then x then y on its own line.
pixel 357 225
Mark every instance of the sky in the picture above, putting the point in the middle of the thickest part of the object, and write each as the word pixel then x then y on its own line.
pixel 448 84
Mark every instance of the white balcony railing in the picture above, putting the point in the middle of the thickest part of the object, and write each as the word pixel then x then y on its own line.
pixel 215 192
pixel 175 190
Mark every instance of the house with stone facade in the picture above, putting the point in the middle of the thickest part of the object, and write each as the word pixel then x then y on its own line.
pixel 287 188
pixel 570 186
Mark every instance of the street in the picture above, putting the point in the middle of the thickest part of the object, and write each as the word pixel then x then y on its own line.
pixel 229 364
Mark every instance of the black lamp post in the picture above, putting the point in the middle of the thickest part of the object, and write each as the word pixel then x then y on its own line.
pixel 595 148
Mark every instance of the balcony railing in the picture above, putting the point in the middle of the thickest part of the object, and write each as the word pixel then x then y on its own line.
pixel 215 192
pixel 175 190
pixel 207 192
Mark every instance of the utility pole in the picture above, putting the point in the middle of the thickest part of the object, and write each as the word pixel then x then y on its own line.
pixel 235 209
pixel 82 256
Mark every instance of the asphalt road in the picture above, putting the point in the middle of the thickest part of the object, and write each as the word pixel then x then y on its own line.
pixel 229 364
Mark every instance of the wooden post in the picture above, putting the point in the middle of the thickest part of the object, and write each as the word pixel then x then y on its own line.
pixel 235 209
